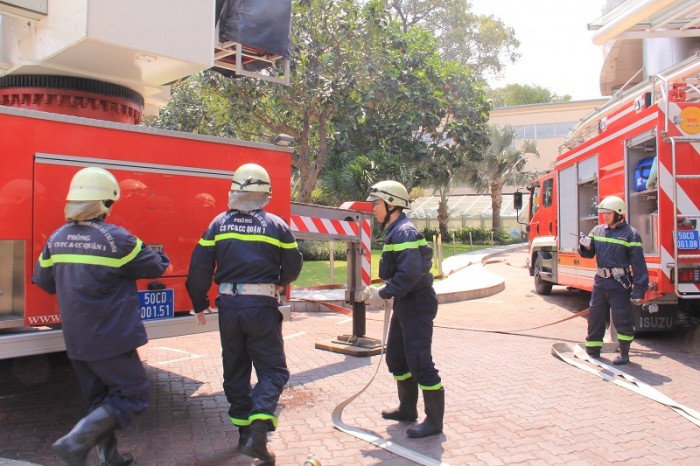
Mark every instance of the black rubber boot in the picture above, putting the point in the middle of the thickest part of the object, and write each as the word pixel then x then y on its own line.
pixel 109 455
pixel 243 434
pixel 408 400
pixel 256 444
pixel 624 356
pixel 593 351
pixel 75 446
pixel 434 412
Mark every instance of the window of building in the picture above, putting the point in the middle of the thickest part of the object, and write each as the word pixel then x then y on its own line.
pixel 543 131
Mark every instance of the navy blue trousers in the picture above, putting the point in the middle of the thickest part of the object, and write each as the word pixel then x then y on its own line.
pixel 408 347
pixel 251 336
pixel 119 381
pixel 609 299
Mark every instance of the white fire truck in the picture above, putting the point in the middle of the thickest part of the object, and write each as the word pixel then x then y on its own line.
pixel 643 146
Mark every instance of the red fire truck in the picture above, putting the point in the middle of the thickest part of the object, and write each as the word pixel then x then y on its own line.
pixel 172 185
pixel 75 79
pixel 643 146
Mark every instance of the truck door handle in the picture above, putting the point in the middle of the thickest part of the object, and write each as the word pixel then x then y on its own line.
pixel 550 227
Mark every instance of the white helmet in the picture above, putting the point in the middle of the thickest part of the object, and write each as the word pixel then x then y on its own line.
pixel 251 177
pixel 93 184
pixel 391 192
pixel 613 204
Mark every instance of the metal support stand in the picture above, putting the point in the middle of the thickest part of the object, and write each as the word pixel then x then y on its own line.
pixel 358 328
pixel 356 344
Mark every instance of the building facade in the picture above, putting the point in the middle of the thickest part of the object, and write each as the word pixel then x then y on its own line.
pixel 545 124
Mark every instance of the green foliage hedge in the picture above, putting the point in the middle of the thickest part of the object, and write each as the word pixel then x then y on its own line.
pixel 478 236
pixel 320 250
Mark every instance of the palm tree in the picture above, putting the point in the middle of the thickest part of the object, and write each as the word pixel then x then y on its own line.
pixel 347 176
pixel 502 165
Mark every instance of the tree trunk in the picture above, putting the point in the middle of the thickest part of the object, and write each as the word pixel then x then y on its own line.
pixel 443 214
pixel 496 202
pixel 304 164
pixel 309 166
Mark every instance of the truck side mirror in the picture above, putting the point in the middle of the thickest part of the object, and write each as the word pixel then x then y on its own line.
pixel 517 201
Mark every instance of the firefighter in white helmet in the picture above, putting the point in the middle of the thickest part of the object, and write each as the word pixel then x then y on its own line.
pixel 92 266
pixel 621 277
pixel 405 268
pixel 252 256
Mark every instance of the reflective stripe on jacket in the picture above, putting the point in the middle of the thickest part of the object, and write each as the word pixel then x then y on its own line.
pixel 92 267
pixel 406 260
pixel 243 247
pixel 619 247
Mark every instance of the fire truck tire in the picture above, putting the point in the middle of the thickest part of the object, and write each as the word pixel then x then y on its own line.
pixel 542 287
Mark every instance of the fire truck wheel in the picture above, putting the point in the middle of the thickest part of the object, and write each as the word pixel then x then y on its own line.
pixel 542 287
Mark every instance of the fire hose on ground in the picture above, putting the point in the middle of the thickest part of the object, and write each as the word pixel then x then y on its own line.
pixel 559 350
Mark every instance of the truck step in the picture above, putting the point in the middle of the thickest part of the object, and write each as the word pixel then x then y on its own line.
pixel 11 321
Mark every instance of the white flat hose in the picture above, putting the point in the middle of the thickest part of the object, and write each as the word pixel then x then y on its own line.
pixel 370 436
pixel 618 377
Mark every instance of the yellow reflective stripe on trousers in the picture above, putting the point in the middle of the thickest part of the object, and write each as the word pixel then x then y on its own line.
pixel 627 244
pixel 240 422
pixel 90 260
pixel 401 377
pixel 437 386
pixel 263 417
pixel 404 246
pixel 251 238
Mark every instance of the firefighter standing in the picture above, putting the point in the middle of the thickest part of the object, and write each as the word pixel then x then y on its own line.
pixel 252 255
pixel 92 266
pixel 405 268
pixel 621 277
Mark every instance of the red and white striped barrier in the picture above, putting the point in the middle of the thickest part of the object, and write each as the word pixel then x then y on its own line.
pixel 344 228
pixel 323 225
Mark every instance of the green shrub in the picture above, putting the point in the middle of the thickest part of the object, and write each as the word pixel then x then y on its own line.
pixel 483 236
pixel 429 233
pixel 320 251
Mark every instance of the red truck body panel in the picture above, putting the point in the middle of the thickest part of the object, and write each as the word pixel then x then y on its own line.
pixel 173 184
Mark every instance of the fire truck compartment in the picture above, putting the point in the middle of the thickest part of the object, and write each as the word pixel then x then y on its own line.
pixel 11 283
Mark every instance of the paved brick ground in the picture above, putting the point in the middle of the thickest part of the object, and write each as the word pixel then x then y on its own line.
pixel 509 401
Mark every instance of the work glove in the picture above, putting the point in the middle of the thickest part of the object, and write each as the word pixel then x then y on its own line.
pixel 370 296
pixel 636 301
pixel 585 241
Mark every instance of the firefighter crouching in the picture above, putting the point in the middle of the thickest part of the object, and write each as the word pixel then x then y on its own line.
pixel 252 255
pixel 621 278
pixel 405 268
pixel 92 266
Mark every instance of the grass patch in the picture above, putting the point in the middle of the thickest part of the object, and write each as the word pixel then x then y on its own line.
pixel 319 272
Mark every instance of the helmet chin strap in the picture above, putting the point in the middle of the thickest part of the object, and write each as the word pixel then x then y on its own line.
pixel 617 218
pixel 389 210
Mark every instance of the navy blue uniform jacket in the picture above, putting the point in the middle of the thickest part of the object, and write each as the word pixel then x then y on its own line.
pixel 406 260
pixel 618 247
pixel 92 267
pixel 243 247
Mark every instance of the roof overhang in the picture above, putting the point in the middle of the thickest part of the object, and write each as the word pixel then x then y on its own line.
pixel 623 30
pixel 644 19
